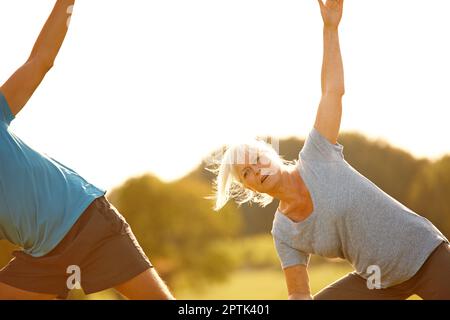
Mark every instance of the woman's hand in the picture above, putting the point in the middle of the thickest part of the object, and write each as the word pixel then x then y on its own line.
pixel 300 296
pixel 331 12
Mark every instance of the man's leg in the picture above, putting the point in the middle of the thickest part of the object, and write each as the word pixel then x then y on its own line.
pixel 146 286
pixel 10 293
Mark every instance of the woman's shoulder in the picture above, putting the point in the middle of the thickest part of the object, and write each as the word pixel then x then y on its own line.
pixel 318 148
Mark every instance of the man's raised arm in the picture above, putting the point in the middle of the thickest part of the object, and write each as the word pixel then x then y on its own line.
pixel 19 88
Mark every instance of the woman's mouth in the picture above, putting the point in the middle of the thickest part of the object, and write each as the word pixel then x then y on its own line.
pixel 264 178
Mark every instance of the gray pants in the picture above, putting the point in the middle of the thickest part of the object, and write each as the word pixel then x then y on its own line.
pixel 432 282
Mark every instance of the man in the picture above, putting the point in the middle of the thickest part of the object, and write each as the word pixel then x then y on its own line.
pixel 64 224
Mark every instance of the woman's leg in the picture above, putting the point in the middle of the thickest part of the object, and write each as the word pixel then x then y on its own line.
pixel 434 280
pixel 10 293
pixel 354 287
pixel 146 286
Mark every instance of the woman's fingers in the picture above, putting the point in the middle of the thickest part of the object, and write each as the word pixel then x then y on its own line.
pixel 331 4
pixel 331 11
pixel 321 4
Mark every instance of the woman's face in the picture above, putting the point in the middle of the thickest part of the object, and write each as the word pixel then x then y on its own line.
pixel 259 171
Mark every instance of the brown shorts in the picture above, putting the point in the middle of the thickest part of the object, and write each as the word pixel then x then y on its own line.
pixel 431 282
pixel 100 248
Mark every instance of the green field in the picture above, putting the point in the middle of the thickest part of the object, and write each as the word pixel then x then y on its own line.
pixel 256 284
pixel 264 284
pixel 258 275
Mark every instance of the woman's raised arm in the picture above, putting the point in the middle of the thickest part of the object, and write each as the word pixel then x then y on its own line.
pixel 19 88
pixel 328 120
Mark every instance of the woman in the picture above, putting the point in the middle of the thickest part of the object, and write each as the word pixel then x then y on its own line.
pixel 327 208
pixel 65 225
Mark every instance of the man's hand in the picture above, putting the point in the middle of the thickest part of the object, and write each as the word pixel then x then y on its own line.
pixel 331 12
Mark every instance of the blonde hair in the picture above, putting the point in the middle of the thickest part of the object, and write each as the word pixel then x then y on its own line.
pixel 227 184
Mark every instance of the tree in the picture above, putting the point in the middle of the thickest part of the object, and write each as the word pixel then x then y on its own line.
pixel 392 169
pixel 429 195
pixel 177 227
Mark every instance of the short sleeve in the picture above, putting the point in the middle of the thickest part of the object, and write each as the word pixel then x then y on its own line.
pixel 5 112
pixel 317 147
pixel 289 256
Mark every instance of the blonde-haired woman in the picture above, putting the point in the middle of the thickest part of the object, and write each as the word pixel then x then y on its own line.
pixel 327 208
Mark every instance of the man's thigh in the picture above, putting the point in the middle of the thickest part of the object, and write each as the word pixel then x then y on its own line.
pixel 146 286
pixel 10 293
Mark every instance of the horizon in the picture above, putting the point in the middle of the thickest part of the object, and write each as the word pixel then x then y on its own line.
pixel 369 139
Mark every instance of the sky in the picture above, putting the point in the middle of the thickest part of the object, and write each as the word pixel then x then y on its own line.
pixel 155 86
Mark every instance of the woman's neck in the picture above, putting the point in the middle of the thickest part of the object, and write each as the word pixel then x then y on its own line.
pixel 294 196
pixel 291 188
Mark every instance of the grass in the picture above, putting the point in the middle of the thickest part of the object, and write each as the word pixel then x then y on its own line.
pixel 248 284
pixel 258 275
pixel 260 284
pixel 265 284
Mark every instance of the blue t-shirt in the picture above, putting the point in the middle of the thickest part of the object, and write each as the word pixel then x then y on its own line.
pixel 40 199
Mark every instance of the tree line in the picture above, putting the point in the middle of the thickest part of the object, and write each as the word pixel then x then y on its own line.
pixel 177 228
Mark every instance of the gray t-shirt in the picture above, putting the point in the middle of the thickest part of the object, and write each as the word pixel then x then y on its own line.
pixel 353 219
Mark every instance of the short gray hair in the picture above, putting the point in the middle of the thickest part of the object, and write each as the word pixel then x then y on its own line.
pixel 227 184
